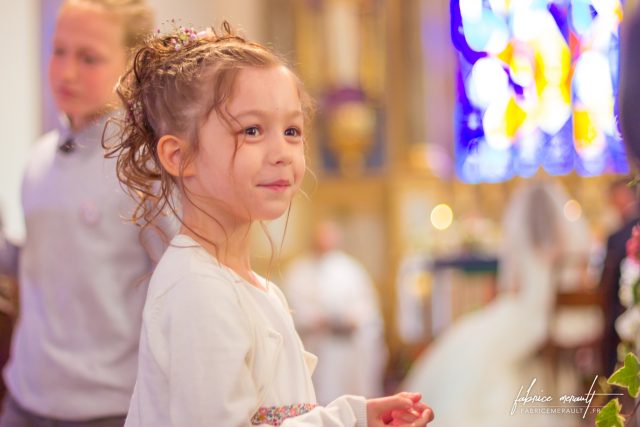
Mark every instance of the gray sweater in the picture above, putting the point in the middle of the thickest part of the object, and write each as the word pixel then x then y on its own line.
pixel 82 275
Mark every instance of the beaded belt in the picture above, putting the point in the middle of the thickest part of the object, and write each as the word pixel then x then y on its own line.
pixel 275 415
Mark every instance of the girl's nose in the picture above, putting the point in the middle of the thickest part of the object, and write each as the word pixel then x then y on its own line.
pixel 281 151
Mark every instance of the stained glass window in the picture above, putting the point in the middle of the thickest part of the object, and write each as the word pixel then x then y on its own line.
pixel 537 85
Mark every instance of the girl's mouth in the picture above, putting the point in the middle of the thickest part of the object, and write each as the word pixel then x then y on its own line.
pixel 279 185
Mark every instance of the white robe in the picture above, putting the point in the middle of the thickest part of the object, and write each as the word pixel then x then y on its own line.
pixel 336 288
pixel 473 371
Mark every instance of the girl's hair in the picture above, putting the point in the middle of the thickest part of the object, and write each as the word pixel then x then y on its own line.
pixel 174 83
pixel 136 17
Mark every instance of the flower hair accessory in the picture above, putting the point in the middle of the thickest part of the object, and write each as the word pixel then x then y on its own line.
pixel 134 112
pixel 184 36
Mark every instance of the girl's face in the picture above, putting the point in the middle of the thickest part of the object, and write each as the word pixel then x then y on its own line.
pixel 259 181
pixel 88 57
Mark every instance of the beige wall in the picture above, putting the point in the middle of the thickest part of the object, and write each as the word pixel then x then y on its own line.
pixel 245 14
pixel 19 102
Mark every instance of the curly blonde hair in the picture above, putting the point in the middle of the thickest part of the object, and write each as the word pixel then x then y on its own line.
pixel 174 83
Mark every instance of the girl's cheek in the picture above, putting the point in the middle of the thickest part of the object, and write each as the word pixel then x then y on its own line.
pixel 302 160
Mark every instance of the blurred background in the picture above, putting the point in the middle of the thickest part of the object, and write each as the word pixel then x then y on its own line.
pixel 430 114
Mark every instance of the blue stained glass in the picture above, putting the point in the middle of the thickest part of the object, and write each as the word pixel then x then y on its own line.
pixel 537 84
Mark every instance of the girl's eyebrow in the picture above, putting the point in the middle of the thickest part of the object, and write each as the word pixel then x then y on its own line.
pixel 266 113
pixel 89 51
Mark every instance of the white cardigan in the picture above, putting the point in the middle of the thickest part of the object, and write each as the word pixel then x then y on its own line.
pixel 210 356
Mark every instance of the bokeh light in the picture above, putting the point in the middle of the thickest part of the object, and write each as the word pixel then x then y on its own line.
pixel 442 216
pixel 572 210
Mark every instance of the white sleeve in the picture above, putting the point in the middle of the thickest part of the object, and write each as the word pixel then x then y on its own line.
pixel 209 341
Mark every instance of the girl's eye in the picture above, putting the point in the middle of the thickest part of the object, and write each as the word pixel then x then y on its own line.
pixel 295 132
pixel 58 51
pixel 89 59
pixel 252 131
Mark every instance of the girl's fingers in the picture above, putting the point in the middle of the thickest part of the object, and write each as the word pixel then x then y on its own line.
pixel 405 416
pixel 425 418
pixel 428 415
pixel 391 403
pixel 414 397
pixel 401 410
pixel 380 409
pixel 419 407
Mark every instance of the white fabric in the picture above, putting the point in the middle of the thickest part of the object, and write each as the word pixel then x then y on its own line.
pixel 471 374
pixel 82 274
pixel 334 288
pixel 212 351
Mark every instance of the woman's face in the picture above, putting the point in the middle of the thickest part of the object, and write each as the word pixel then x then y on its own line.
pixel 88 57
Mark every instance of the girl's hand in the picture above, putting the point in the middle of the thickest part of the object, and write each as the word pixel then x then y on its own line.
pixel 404 418
pixel 402 409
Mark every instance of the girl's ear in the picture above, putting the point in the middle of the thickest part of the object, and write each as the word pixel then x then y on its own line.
pixel 172 153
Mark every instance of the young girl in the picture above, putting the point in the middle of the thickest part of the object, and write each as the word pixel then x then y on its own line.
pixel 74 350
pixel 221 120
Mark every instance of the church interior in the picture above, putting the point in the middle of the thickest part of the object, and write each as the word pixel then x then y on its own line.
pixel 431 117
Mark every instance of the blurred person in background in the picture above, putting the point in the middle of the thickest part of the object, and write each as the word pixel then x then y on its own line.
pixel 629 91
pixel 471 373
pixel 82 268
pixel 335 307
pixel 623 199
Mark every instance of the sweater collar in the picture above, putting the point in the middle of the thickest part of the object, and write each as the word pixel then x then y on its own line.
pixel 89 137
